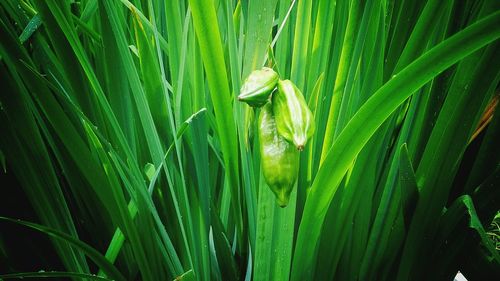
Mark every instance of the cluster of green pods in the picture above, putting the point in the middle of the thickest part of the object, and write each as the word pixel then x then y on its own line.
pixel 285 125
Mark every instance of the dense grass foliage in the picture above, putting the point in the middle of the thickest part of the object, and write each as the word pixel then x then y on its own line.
pixel 121 122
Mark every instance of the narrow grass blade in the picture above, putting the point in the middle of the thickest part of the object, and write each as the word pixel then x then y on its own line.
pixel 368 119
pixel 32 26
pixel 207 31
pixel 275 225
pixel 99 259
pixel 52 274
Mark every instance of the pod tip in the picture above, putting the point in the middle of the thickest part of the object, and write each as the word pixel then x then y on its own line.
pixel 282 205
pixel 282 200
pixel 299 141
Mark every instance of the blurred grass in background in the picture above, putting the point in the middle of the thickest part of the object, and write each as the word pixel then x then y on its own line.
pixel 119 119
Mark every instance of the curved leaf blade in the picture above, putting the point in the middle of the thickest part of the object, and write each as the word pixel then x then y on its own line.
pixel 366 122
pixel 93 254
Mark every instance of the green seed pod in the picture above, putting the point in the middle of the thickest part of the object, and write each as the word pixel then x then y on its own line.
pixel 280 160
pixel 258 87
pixel 294 120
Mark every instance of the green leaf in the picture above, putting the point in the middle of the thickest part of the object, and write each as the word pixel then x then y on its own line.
pixel 368 119
pixel 52 274
pixel 223 253
pixel 149 170
pixel 32 26
pixel 275 231
pixel 92 253
pixel 460 232
pixel 408 180
pixel 207 31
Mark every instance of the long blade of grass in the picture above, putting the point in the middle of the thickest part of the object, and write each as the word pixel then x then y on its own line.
pixel 52 274
pixel 92 253
pixel 368 119
pixel 257 41
pixel 207 31
pixel 274 236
